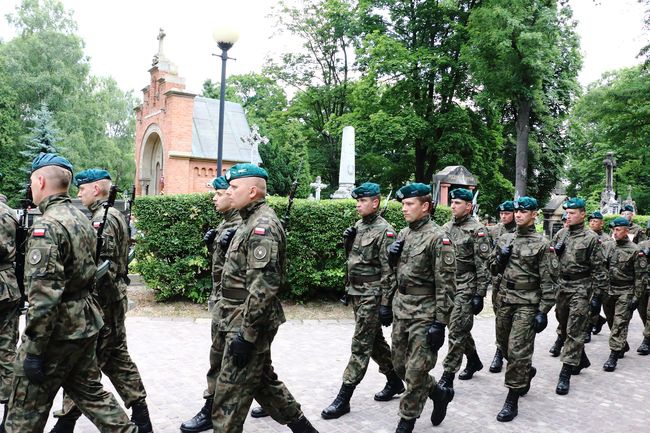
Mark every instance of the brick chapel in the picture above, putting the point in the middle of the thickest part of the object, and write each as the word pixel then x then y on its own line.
pixel 176 134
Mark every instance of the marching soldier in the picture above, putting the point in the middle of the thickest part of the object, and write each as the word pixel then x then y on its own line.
pixel 253 273
pixel 63 321
pixel 644 307
pixel 231 220
pixel 581 273
pixel 506 225
pixel 626 268
pixel 636 233
pixel 527 294
pixel 370 286
pixel 9 303
pixel 425 264
pixel 472 244
pixel 596 224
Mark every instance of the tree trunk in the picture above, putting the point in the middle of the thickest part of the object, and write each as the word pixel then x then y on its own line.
pixel 420 160
pixel 521 162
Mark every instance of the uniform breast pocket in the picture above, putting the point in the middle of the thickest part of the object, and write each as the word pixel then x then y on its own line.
pixel 415 254
pixel 528 258
pixel 580 254
pixel 367 246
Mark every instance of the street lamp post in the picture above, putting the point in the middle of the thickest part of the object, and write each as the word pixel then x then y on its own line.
pixel 225 37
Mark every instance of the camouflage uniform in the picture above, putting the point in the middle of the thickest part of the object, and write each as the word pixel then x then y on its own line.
pixel 110 292
pixel 371 282
pixel 607 241
pixel 495 233
pixel 472 245
pixel 637 233
pixel 253 274
pixel 9 298
pixel 526 287
pixel 626 269
pixel 644 306
pixel 231 220
pixel 425 292
pixel 63 321
pixel 581 274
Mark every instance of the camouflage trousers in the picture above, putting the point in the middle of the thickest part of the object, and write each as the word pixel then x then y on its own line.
pixel 461 342
pixel 413 360
pixel 497 299
pixel 9 316
pixel 516 338
pixel 71 365
pixel 644 313
pixel 618 318
pixel 572 313
pixel 113 360
pixel 368 341
pixel 235 388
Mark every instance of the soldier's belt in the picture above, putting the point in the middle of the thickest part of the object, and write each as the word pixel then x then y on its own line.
pixel 6 266
pixel 237 294
pixel 360 279
pixel 75 296
pixel 465 267
pixel 511 285
pixel 417 290
pixel 576 276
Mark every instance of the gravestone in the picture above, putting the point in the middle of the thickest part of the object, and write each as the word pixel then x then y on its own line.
pixel 318 186
pixel 608 201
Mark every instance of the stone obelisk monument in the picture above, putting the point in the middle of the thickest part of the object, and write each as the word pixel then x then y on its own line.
pixel 346 169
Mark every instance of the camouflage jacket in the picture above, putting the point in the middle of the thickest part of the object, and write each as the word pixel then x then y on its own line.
pixel 9 291
pixel 59 274
pixel 115 248
pixel 500 229
pixel 253 273
pixel 637 234
pixel 644 254
pixel 626 268
pixel 231 220
pixel 368 271
pixel 472 244
pixel 428 263
pixel 582 264
pixel 527 278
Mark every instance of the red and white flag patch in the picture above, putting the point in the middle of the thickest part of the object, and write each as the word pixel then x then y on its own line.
pixel 446 241
pixel 260 231
pixel 38 233
pixel 481 234
pixel 390 234
pixel 97 224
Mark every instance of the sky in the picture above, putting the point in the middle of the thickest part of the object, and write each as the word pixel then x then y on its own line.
pixel 120 36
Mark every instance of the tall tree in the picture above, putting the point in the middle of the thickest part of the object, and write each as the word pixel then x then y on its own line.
pixel 44 136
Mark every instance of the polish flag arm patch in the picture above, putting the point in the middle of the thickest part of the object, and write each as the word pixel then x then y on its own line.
pixel 446 241
pixel 97 224
pixel 38 232
pixel 390 234
pixel 259 231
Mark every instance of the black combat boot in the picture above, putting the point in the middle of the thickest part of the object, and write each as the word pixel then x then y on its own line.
pixel 497 362
pixel 259 412
pixel 63 425
pixel 341 404
pixel 474 364
pixel 394 386
pixel 599 325
pixel 140 417
pixel 532 372
pixel 584 363
pixel 441 398
pixel 556 348
pixel 644 348
pixel 201 421
pixel 405 425
pixel 447 380
pixel 564 382
pixel 302 425
pixel 588 337
pixel 510 407
pixel 610 364
pixel 621 353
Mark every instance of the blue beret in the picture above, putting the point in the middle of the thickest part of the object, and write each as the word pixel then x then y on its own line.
pixel 574 203
pixel 627 208
pixel 91 175
pixel 506 206
pixel 620 222
pixel 461 194
pixel 245 170
pixel 367 189
pixel 45 159
pixel 220 183
pixel 595 216
pixel 526 203
pixel 413 190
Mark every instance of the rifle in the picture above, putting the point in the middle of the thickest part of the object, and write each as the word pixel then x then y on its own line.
pixel 475 205
pixel 131 255
pixel 383 211
pixel 292 195
pixel 21 243
pixel 103 268
pixel 434 198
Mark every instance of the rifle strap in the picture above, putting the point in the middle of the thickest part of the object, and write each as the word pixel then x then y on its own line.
pixel 5 266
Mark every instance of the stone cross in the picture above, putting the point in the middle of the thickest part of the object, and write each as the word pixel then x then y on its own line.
pixel 161 37
pixel 318 186
pixel 254 140
pixel 610 164
pixel 347 167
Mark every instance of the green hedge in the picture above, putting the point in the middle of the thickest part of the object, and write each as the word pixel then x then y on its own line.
pixel 173 260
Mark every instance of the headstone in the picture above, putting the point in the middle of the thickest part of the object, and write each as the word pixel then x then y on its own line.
pixel 254 140
pixel 346 169
pixel 318 186
pixel 628 200
pixel 608 202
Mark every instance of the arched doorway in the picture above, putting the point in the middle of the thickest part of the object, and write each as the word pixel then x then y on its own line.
pixel 152 162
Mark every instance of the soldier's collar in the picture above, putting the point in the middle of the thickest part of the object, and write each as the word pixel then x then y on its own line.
pixel 415 225
pixel 526 230
pixel 231 214
pixel 96 205
pixel 623 241
pixel 53 199
pixel 369 219
pixel 576 228
pixel 462 220
pixel 511 225
pixel 247 210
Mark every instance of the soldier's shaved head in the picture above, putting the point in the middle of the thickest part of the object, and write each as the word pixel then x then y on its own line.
pixel 49 180
pixel 246 190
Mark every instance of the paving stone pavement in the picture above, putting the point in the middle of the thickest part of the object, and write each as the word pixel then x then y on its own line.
pixel 310 357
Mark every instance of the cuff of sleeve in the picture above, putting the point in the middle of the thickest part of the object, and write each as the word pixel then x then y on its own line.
pixel 249 334
pixel 34 347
